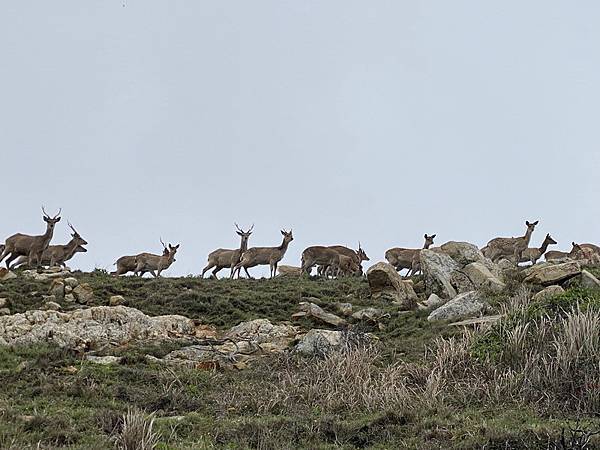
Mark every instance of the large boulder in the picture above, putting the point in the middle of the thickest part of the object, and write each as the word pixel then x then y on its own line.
pixel 463 306
pixel 307 309
pixel 481 276
pixel 588 280
pixel 90 327
pixel 548 292
pixel 462 252
pixel 548 273
pixel 320 342
pixel 262 331
pixel 83 293
pixel 443 275
pixel 387 284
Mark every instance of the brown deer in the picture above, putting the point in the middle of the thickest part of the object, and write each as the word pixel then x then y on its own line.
pixel 509 248
pixel 223 257
pixel 257 256
pixel 575 253
pixel 127 264
pixel 325 257
pixel 59 254
pixel 532 254
pixel 155 264
pixel 344 266
pixel 408 258
pixel 357 255
pixel 31 246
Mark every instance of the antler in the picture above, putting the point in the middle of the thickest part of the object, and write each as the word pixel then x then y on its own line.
pixel 238 227
pixel 72 228
pixel 163 244
pixel 58 213
pixel 251 228
pixel 45 213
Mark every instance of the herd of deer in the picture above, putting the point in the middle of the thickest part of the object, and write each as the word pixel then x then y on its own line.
pixel 336 260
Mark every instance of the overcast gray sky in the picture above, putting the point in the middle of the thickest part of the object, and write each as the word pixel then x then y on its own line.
pixel 344 120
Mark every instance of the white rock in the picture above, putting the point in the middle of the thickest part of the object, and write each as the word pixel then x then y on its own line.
pixel 71 282
pixel 550 291
pixel 463 306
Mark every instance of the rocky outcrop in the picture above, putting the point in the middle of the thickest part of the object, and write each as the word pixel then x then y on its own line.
pixel 83 293
pixel 91 327
pixel 463 306
pixel 548 273
pixel 387 284
pixel 442 274
pixel 241 345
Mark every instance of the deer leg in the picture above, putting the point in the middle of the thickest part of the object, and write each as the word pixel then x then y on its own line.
pixel 207 268
pixel 156 274
pixel 216 271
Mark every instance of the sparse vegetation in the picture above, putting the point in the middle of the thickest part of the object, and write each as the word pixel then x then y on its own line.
pixel 528 381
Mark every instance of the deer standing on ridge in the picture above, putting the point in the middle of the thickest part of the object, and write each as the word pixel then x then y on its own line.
pixel 532 254
pixel 358 256
pixel 223 257
pixel 127 264
pixel 408 258
pixel 59 254
pixel 325 257
pixel 509 248
pixel 257 256
pixel 155 264
pixel 30 246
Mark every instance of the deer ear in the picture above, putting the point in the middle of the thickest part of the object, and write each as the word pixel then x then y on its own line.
pixel 282 232
pixel 177 246
pixel 536 222
pixel 433 236
pixel 239 233
pixel 58 220
pixel 527 223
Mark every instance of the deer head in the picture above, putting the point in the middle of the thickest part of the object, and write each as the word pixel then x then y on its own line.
pixel 531 225
pixel 549 241
pixel 244 234
pixel 576 250
pixel 77 239
pixel 287 236
pixel 51 221
pixel 361 253
pixel 429 240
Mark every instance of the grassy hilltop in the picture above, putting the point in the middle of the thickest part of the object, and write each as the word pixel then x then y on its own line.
pixel 531 381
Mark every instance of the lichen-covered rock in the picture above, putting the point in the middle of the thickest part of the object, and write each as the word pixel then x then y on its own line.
pixel 548 273
pixel 441 273
pixel 463 306
pixel 462 252
pixel 71 282
pixel 52 306
pixel 387 284
pixel 550 291
pixel 320 342
pixel 83 293
pixel 262 330
pixel 481 276
pixel 588 280
pixel 433 301
pixel 116 300
pixel 307 309
pixel 57 288
pixel 90 327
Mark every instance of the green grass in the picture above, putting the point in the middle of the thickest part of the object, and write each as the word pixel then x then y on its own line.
pixel 54 397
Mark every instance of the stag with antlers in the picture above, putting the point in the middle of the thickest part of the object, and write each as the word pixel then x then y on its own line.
pixel 32 247
pixel 59 254
pixel 224 257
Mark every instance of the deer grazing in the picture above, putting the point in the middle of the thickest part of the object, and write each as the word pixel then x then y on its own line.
pixel 509 248
pixel 532 254
pixel 257 256
pixel 408 258
pixel 223 257
pixel 30 246
pixel 575 253
pixel 59 254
